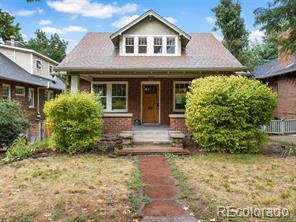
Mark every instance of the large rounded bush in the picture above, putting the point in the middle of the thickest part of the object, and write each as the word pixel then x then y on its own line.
pixel 12 121
pixel 75 120
pixel 224 113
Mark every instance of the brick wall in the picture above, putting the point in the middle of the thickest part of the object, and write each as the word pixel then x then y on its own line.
pixel 116 125
pixel 286 107
pixel 178 124
pixel 31 113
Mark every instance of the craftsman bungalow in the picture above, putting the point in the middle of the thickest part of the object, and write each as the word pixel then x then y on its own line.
pixel 143 70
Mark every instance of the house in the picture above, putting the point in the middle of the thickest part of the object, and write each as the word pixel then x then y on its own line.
pixel 280 74
pixel 143 70
pixel 25 76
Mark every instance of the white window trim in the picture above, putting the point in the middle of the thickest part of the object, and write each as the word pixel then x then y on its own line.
pixel 178 82
pixel 134 45
pixel 20 87
pixel 162 44
pixel 9 92
pixel 31 89
pixel 166 39
pixel 109 95
pixel 40 63
pixel 150 45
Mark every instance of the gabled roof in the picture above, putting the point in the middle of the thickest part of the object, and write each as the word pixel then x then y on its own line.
pixel 11 71
pixel 114 36
pixel 95 52
pixel 271 69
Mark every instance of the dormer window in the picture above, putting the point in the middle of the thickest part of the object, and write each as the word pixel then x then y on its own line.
pixel 50 69
pixel 142 44
pixel 38 64
pixel 129 45
pixel 157 45
pixel 171 45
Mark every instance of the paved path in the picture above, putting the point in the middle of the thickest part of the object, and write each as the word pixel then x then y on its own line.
pixel 162 191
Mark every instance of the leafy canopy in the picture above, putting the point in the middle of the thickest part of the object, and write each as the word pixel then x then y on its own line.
pixel 7 27
pixel 53 47
pixel 224 113
pixel 75 120
pixel 232 26
pixel 279 16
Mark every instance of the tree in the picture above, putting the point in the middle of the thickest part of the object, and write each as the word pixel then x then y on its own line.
pixel 53 47
pixel 279 16
pixel 7 27
pixel 232 26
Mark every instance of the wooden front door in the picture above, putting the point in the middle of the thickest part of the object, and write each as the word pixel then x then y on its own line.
pixel 150 103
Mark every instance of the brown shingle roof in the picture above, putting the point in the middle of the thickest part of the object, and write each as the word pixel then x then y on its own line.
pixel 96 52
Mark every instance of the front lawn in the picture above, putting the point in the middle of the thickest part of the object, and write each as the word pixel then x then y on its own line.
pixel 90 187
pixel 240 181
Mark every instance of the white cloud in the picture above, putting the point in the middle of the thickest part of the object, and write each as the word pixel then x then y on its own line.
pixel 171 20
pixel 124 21
pixel 88 8
pixel 210 20
pixel 44 22
pixel 256 36
pixel 63 31
pixel 23 13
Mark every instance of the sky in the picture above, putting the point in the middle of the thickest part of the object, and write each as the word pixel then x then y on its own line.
pixel 71 19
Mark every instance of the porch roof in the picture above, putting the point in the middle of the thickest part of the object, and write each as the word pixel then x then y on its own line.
pixel 96 52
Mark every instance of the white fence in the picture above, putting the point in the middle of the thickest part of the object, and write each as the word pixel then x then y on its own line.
pixel 280 126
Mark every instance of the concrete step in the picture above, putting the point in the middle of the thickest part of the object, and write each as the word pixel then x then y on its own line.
pixel 152 151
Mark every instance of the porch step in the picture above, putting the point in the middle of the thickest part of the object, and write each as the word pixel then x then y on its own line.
pixel 152 136
pixel 152 151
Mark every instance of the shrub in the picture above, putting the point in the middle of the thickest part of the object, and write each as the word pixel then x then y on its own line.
pixel 75 120
pixel 19 150
pixel 224 113
pixel 12 121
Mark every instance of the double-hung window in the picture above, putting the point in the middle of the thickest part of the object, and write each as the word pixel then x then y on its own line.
pixel 180 90
pixel 129 45
pixel 157 45
pixel 31 98
pixel 113 95
pixel 171 45
pixel 20 91
pixel 6 91
pixel 48 95
pixel 142 45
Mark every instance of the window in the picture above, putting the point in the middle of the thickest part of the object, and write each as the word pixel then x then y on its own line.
pixel 48 95
pixel 38 64
pixel 101 89
pixel 142 42
pixel 50 69
pixel 20 91
pixel 171 45
pixel 118 96
pixel 274 86
pixel 31 98
pixel 129 45
pixel 157 45
pixel 113 95
pixel 6 92
pixel 180 90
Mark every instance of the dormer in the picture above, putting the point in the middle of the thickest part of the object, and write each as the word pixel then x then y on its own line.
pixel 150 35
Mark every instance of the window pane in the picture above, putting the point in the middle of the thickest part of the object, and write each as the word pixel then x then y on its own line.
pixel 171 49
pixel 104 102
pixel 31 97
pixel 142 41
pixel 157 40
pixel 142 49
pixel 129 41
pixel 20 91
pixel 5 92
pixel 170 41
pixel 180 95
pixel 157 49
pixel 100 89
pixel 118 103
pixel 118 90
pixel 129 49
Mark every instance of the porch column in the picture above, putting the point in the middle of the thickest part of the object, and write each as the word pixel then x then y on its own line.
pixel 75 83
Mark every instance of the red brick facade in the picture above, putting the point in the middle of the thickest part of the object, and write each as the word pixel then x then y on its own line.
pixel 286 90
pixel 116 125
pixel 178 124
pixel 31 113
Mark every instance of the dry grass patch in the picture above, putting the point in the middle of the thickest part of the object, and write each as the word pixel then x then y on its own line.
pixel 58 188
pixel 240 181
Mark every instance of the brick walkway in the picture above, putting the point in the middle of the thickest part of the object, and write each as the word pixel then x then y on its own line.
pixel 163 206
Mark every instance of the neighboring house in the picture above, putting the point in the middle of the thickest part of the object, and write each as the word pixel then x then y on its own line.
pixel 143 70
pixel 23 79
pixel 280 74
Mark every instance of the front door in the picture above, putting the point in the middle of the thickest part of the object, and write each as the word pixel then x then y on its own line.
pixel 150 103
